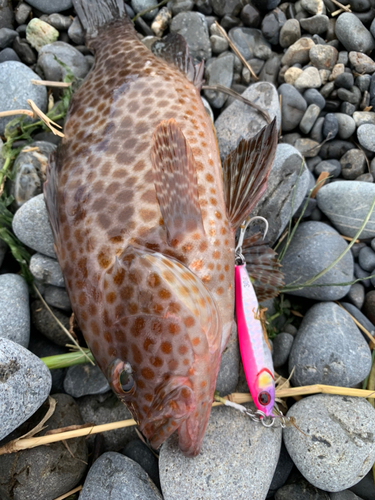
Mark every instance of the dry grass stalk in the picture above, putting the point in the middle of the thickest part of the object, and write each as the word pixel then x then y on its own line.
pixel 17 112
pixel 347 238
pixel 29 150
pixel 343 8
pixel 236 51
pixel 240 398
pixel 362 328
pixel 319 183
pixel 48 83
pixel 50 124
pixel 71 492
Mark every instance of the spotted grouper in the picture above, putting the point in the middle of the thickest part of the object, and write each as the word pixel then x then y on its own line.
pixel 144 223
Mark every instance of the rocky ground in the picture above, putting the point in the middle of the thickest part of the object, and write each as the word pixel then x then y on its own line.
pixel 316 75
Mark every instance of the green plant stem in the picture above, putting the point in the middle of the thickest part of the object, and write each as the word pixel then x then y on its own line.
pixel 4 171
pixel 292 288
pixel 328 268
pixel 68 359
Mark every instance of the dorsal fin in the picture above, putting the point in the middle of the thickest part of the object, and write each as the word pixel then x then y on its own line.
pixel 95 14
pixel 263 267
pixel 175 180
pixel 245 172
pixel 174 50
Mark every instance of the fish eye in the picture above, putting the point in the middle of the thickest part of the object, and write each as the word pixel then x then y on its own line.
pixel 126 381
pixel 264 398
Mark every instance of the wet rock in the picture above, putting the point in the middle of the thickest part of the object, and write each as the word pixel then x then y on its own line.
pixel 239 121
pixel 240 466
pixel 14 307
pixel 329 420
pixel 193 27
pixel 329 349
pixel 314 247
pixel 83 380
pixel 288 178
pixel 46 472
pixel 16 88
pixel 65 53
pixel 25 384
pixel 76 33
pixel 119 478
pixel 31 226
pixel 337 201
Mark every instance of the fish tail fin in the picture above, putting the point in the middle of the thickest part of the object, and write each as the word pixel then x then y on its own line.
pixel 96 14
pixel 263 267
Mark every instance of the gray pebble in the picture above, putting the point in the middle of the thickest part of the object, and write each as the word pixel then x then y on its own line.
pixel 353 164
pixel 313 96
pixel 289 328
pixel 331 422
pixel 347 108
pixel 76 33
pixel 353 96
pixel 82 380
pixel 357 247
pixel 353 34
pixel 59 21
pixel 345 80
pixel 140 453
pixel 308 79
pixel 46 270
pixel 307 147
pixel 343 495
pixel 25 384
pixel 315 25
pixel 335 149
pixel 361 63
pixel 366 259
pixel 241 121
pixel 364 117
pixel 329 349
pixel 316 133
pixel 289 33
pixel 360 317
pixel 14 307
pixel 118 477
pixel 323 56
pixel 57 297
pixel 346 125
pixel 227 378
pixel 366 136
pixel 293 107
pixel 309 118
pixel 29 171
pixel 343 57
pixel 65 53
pixel 103 408
pixel 365 178
pixel 51 6
pixel 289 178
pixel 44 322
pixel 218 44
pixel 8 54
pixel 140 5
pixel 31 226
pixel 282 344
pixel 178 6
pixel 241 466
pixel 365 489
pixel 271 25
pixel 327 89
pixel 363 82
pixel 16 88
pixel 333 167
pixel 219 72
pixel 356 295
pixel 251 43
pixel 6 37
pixel 337 201
pixel 314 247
pixel 22 12
pixel 331 126
pixel 193 27
pixel 24 51
pixel 359 273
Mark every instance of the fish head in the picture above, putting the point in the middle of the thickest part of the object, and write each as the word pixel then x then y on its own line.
pixel 265 392
pixel 164 356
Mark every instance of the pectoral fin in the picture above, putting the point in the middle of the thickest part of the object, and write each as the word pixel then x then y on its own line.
pixel 245 172
pixel 175 180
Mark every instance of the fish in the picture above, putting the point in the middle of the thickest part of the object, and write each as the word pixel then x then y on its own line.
pixel 144 217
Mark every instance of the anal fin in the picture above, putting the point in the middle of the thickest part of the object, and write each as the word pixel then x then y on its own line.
pixel 175 179
pixel 245 173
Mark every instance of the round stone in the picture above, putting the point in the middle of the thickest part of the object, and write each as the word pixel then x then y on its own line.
pixel 333 167
pixel 346 125
pixel 82 380
pixel 345 80
pixel 40 33
pixel 356 295
pixel 334 451
pixel 293 107
pixel 46 270
pixel 14 307
pixel 313 96
pixel 366 136
pixel 314 247
pixel 309 79
pixel 193 27
pixel 331 126
pixel 353 164
pixel 309 118
pixel 366 259
pixel 323 56
pixel 46 324
pixel 289 33
pixel 353 34
pixel 51 6
pixel 282 344
pixel 299 52
pixel 361 63
pixel 65 53
pixel 329 349
pixel 141 5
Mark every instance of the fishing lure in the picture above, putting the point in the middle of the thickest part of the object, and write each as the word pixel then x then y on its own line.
pixel 254 346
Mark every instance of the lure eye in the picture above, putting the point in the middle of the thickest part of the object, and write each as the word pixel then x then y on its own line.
pixel 126 381
pixel 264 398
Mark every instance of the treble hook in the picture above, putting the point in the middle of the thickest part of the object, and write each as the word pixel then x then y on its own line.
pixel 243 227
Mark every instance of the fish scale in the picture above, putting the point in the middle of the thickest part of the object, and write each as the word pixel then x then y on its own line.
pixel 136 202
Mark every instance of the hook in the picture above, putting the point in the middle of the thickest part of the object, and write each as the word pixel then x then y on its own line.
pixel 244 226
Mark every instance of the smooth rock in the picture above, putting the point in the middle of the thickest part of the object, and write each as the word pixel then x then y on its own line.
pixel 360 317
pixel 219 72
pixel 346 204
pixel 40 33
pixel 361 63
pixel 292 74
pixel 14 307
pixel 31 226
pixel 46 472
pixel 335 149
pixel 309 79
pixel 365 178
pixel 250 42
pixel 353 34
pixel 359 273
pixel 8 54
pixel 65 53
pixel 346 125
pixel 15 81
pixel 299 52
pixel 82 380
pixel 193 27
pixel 46 270
pixel 227 378
pixel 289 33
pixel 369 306
pixel 101 409
pixel 240 467
pixel 250 16
pixel 313 96
pixel 329 349
pixel 239 121
pixel 323 56
pixel 271 25
pixel 29 171
pixel 301 490
pixel 289 177
pixel 218 44
pixel 43 321
pixel 333 167
pixel 282 345
pixel 353 164
pixel 282 472
pixel 315 25
pixel 293 107
pixel 344 80
pixel 25 384
pixel 307 147
pixel 356 295
pixel 116 477
pixel 316 133
pixel 76 33
pixel 309 118
pixel 57 297
pixel 331 422
pixel 313 6
pixel 365 489
pixel 314 247
pixel 51 6
pixel 331 126
pixel 141 453
pixel 363 118
pixel 6 37
pixel 366 136
pixel 22 12
pixel 59 21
